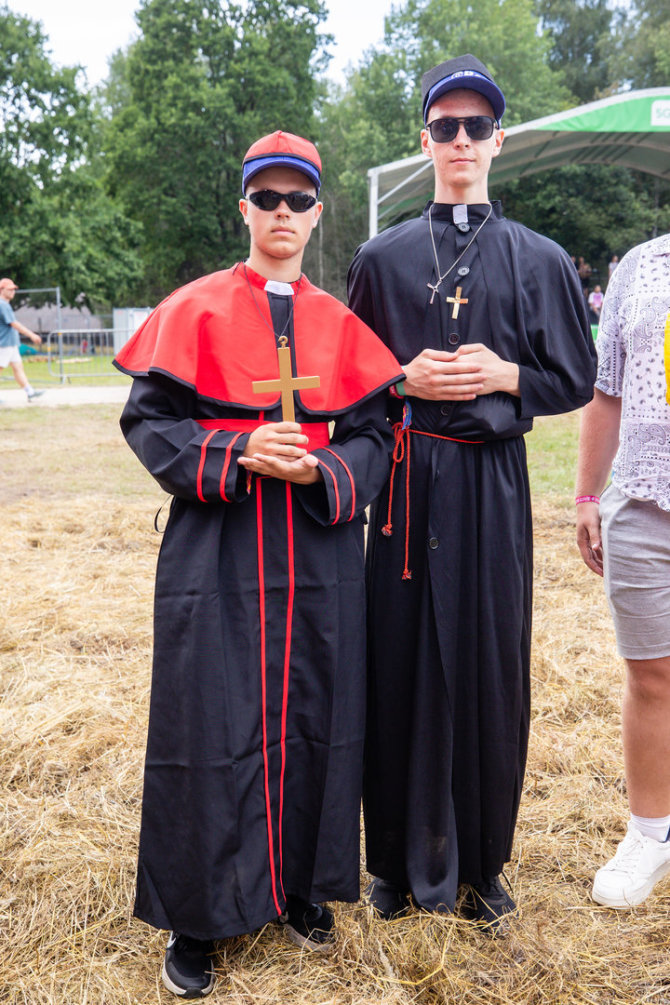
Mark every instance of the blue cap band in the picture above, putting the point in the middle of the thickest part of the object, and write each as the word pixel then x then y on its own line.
pixel 252 167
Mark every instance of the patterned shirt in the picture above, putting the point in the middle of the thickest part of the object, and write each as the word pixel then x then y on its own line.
pixel 631 366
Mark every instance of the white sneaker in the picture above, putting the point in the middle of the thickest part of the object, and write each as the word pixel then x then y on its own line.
pixel 630 876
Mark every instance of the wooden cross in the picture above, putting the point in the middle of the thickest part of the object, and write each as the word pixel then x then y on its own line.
pixel 287 383
pixel 457 301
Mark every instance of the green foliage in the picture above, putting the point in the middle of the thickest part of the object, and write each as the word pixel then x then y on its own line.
pixel 377 118
pixel 585 36
pixel 59 228
pixel 594 211
pixel 121 194
pixel 502 33
pixel 646 61
pixel 203 81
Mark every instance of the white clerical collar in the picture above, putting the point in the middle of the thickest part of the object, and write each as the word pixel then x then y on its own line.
pixel 460 214
pixel 281 289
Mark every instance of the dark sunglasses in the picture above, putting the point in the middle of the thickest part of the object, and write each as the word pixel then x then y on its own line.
pixel 268 199
pixel 478 127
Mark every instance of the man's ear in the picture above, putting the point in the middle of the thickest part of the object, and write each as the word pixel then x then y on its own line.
pixel 244 206
pixel 425 145
pixel 500 136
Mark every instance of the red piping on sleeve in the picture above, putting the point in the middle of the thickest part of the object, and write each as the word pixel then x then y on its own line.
pixel 226 465
pixel 351 479
pixel 337 491
pixel 201 466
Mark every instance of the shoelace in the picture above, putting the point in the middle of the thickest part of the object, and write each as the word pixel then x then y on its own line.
pixel 629 851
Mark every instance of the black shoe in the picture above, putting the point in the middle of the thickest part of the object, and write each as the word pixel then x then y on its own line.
pixel 188 970
pixel 488 904
pixel 308 925
pixel 388 900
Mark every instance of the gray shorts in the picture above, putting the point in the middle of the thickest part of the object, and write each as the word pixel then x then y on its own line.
pixel 636 551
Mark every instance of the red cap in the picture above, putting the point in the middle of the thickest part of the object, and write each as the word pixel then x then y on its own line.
pixel 7 282
pixel 282 149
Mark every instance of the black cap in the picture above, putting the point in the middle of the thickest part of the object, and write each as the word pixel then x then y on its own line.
pixel 466 72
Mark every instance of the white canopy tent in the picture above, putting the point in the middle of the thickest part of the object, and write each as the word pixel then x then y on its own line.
pixel 630 130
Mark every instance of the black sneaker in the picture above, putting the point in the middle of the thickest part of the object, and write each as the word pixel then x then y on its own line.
pixel 388 900
pixel 308 925
pixel 488 904
pixel 188 970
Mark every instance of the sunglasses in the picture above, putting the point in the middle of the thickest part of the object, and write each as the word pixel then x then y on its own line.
pixel 268 199
pixel 478 127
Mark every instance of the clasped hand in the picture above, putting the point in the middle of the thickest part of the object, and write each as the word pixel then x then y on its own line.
pixel 472 370
pixel 275 449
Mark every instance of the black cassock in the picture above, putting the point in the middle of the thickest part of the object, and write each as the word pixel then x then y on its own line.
pixel 254 755
pixel 449 680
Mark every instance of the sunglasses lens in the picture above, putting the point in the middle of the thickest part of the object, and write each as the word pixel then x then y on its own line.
pixel 443 130
pixel 300 202
pixel 478 127
pixel 267 199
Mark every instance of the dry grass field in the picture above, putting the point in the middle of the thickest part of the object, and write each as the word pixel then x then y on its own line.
pixel 76 568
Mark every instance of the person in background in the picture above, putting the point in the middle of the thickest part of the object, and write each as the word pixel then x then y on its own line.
pixel 10 329
pixel 623 534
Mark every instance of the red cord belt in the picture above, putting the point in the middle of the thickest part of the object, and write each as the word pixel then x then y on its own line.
pixel 402 448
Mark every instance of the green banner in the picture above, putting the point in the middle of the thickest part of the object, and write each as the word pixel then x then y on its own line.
pixel 633 115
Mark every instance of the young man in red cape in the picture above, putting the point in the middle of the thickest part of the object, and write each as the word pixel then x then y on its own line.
pixel 253 771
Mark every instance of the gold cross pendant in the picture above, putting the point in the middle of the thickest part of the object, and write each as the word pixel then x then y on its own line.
pixel 457 301
pixel 287 383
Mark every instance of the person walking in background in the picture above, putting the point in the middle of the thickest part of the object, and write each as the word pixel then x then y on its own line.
pixel 489 322
pixel 10 329
pixel 624 535
pixel 252 789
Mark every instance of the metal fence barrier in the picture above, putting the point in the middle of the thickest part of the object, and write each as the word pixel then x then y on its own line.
pixel 83 352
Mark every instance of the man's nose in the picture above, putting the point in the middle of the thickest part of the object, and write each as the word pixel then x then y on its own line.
pixel 462 135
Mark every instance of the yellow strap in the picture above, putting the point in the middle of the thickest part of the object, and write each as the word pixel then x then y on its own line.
pixel 666 357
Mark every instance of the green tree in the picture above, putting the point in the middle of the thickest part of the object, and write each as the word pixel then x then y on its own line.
pixel 377 117
pixel 594 211
pixel 585 37
pixel 646 50
pixel 59 228
pixel 202 82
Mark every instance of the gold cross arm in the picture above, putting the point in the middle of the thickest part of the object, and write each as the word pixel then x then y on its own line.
pixel 286 384
pixel 457 301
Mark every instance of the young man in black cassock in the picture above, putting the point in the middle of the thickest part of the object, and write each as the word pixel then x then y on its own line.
pixel 251 805
pixel 489 322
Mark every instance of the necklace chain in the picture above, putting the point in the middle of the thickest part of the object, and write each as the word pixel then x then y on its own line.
pixel 442 276
pixel 262 316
